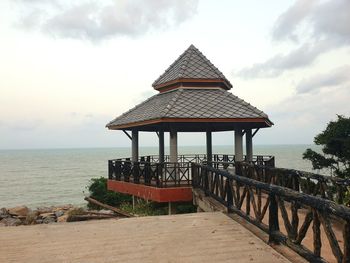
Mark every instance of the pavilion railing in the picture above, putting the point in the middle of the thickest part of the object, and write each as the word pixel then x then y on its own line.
pixel 152 174
pixel 266 160
pixel 261 203
pixel 149 171
pixel 327 187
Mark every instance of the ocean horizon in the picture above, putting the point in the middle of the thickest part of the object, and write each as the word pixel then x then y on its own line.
pixel 45 177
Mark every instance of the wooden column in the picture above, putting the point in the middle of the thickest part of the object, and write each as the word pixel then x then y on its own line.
pixel 173 146
pixel 249 145
pixel 161 146
pixel 209 147
pixel 238 145
pixel 135 146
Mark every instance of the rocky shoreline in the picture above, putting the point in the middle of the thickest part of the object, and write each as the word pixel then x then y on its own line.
pixel 22 215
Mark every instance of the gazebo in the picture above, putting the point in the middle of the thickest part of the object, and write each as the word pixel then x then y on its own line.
pixel 193 97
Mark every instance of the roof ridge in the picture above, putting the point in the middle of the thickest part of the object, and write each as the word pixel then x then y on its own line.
pixel 184 66
pixel 171 66
pixel 210 64
pixel 172 102
pixel 191 64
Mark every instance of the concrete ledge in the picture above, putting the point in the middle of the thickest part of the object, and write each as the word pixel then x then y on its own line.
pixel 171 194
pixel 206 203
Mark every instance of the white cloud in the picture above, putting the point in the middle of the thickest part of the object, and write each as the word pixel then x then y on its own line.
pixel 334 78
pixel 319 27
pixel 97 20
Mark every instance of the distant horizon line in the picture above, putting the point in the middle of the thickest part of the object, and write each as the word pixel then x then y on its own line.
pixel 111 147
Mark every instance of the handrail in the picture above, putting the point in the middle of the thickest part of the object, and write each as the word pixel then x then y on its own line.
pixel 327 187
pixel 235 191
pixel 162 175
pixel 267 160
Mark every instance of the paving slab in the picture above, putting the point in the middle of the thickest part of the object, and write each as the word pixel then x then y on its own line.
pixel 198 237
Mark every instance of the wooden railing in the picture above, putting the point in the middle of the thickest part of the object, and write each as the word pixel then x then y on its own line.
pixel 260 203
pixel 328 187
pixel 149 171
pixel 266 160
pixel 152 174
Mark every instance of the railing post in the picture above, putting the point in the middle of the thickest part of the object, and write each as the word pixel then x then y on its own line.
pixel 110 169
pixel 136 172
pixel 205 174
pixel 194 175
pixel 118 170
pixel 229 196
pixel 273 219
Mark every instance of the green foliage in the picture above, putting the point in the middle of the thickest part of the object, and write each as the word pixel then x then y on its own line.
pixel 98 190
pixel 335 140
pixel 143 208
pixel 186 208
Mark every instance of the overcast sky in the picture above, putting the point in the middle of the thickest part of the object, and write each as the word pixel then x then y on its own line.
pixel 69 67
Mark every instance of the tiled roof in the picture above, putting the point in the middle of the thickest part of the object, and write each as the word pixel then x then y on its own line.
pixel 192 64
pixel 190 103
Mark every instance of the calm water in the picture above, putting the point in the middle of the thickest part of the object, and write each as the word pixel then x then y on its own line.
pixel 59 176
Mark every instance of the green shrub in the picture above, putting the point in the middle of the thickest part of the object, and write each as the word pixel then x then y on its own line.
pixel 98 190
pixel 185 208
pixel 144 208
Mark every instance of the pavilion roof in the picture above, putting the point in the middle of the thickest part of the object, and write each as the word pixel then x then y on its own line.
pixel 186 105
pixel 191 66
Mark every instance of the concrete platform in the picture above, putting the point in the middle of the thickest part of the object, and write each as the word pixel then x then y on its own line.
pixel 199 237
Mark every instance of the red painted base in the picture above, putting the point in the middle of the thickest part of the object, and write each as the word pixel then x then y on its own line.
pixel 173 194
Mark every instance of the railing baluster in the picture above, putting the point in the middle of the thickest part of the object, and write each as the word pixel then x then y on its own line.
pixel 317 234
pixel 273 219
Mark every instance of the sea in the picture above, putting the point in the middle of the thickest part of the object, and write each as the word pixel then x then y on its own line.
pixel 45 177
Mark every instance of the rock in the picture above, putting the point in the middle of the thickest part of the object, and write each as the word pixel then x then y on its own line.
pixel 44 209
pixel 4 213
pixel 38 221
pixel 31 218
pixel 59 213
pixel 63 207
pixel 62 218
pixel 106 211
pixel 48 220
pixel 11 221
pixel 19 211
pixel 43 215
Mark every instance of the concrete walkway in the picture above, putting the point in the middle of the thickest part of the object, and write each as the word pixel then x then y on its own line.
pixel 200 237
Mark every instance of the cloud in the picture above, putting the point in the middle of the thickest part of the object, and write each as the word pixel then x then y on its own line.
pixel 98 20
pixel 275 66
pixel 316 26
pixel 326 19
pixel 287 22
pixel 298 118
pixel 336 77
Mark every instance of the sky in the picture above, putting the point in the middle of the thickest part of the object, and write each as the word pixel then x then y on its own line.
pixel 69 67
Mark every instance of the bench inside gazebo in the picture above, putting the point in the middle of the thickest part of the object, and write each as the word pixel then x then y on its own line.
pixel 193 97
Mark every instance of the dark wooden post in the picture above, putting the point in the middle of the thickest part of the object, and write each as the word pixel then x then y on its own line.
pixel 273 219
pixel 209 148
pixel 205 174
pixel 110 170
pixel 161 146
pixel 194 173
pixel 136 172
pixel 229 195
pixel 317 234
